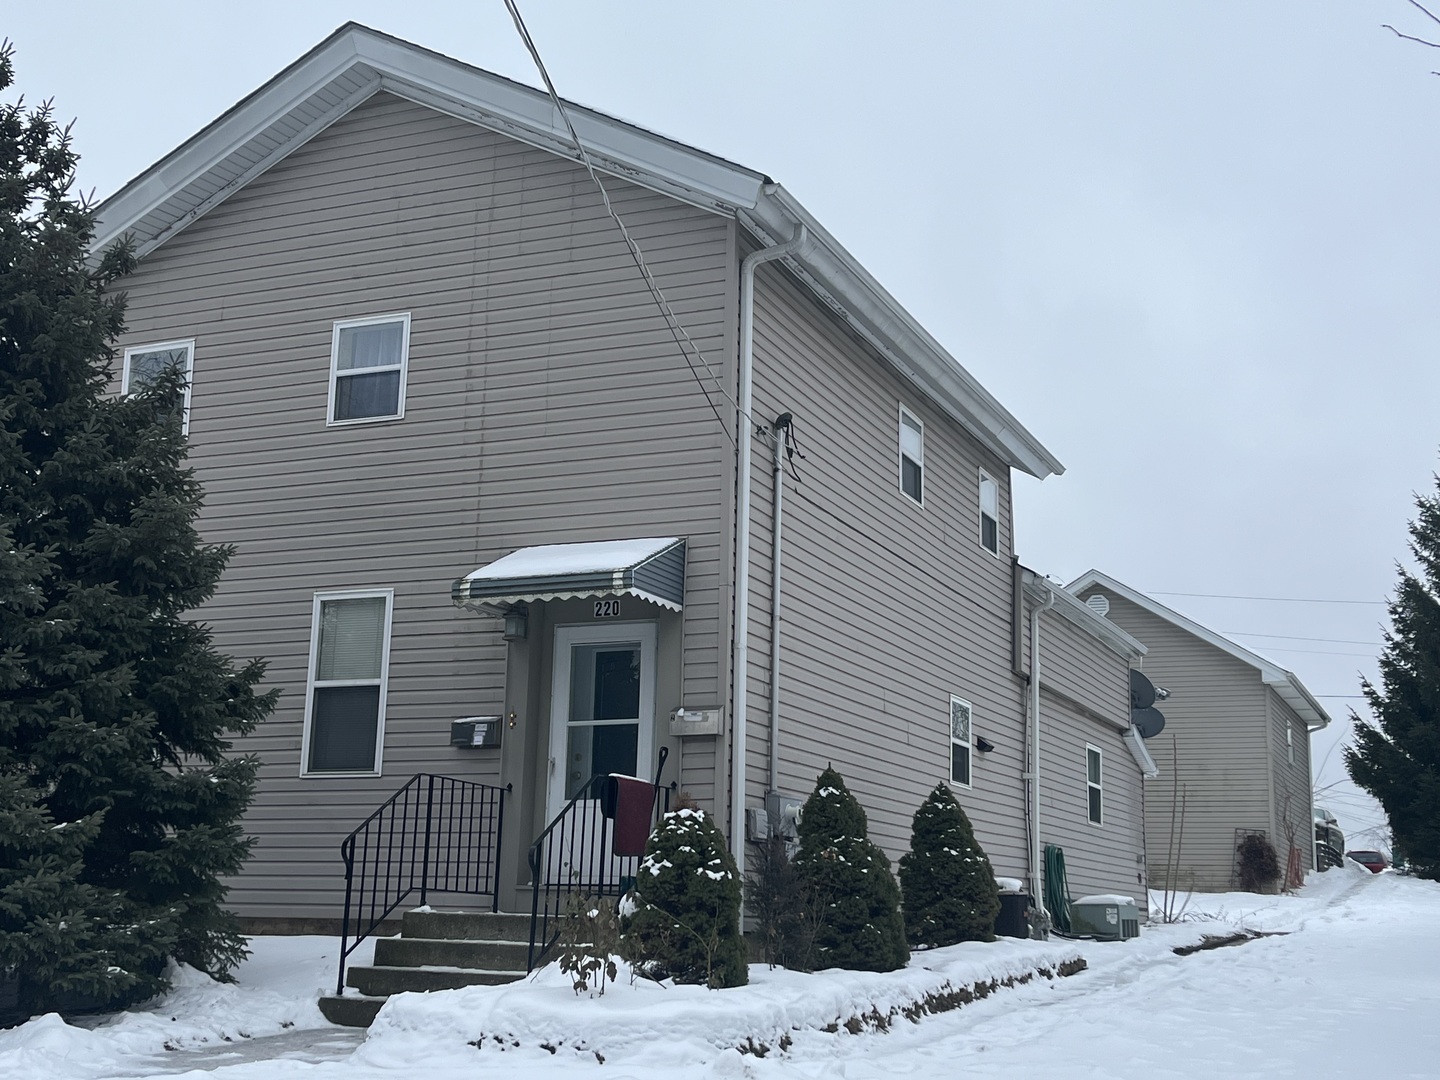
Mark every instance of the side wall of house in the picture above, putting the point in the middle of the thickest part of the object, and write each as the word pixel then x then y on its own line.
pixel 890 606
pixel 546 402
pixel 1085 702
pixel 1214 747
pixel 1294 817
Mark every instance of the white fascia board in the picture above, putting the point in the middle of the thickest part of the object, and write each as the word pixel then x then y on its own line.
pixel 1286 684
pixel 1068 607
pixel 834 275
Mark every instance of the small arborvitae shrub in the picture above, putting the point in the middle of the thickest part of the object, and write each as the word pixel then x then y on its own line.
pixel 948 884
pixel 684 912
pixel 1259 865
pixel 848 877
pixel 785 916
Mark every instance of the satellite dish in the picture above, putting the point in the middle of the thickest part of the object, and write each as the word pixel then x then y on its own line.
pixel 1142 690
pixel 1148 721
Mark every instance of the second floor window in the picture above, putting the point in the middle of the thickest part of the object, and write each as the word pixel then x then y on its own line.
pixel 145 363
pixel 989 515
pixel 912 456
pixel 368 362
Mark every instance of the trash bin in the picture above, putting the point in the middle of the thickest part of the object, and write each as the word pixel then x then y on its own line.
pixel 1012 921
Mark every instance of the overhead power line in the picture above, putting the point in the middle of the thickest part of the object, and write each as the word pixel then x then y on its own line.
pixel 677 331
pixel 1296 637
pixel 1274 599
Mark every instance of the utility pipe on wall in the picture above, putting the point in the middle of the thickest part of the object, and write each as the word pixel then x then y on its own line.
pixel 1037 881
pixel 740 648
pixel 777 487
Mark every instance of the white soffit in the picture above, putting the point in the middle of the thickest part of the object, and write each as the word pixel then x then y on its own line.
pixel 1285 683
pixel 355 62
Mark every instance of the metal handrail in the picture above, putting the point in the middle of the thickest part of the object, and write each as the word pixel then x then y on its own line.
pixel 456 842
pixel 577 842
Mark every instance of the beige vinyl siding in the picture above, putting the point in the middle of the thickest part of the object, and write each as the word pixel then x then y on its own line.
pixel 1085 700
pixel 546 402
pixel 1215 743
pixel 1293 787
pixel 889 607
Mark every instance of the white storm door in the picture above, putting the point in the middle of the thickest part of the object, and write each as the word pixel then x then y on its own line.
pixel 602 706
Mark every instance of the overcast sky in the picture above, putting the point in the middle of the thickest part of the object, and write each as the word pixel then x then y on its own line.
pixel 1193 247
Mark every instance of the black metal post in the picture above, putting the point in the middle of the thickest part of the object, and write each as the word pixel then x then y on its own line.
pixel 425 859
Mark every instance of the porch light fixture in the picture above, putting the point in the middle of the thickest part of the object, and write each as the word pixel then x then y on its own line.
pixel 983 744
pixel 516 622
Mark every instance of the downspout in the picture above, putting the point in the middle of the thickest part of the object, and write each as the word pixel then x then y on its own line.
pixel 777 486
pixel 740 647
pixel 1037 880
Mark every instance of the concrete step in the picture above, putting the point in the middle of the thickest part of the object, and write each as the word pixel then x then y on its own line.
pixel 443 952
pixel 466 925
pixel 350 1011
pixel 378 981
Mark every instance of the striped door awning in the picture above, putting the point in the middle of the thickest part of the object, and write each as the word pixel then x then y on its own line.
pixel 652 568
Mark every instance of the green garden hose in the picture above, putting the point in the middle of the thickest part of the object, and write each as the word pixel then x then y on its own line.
pixel 1057 889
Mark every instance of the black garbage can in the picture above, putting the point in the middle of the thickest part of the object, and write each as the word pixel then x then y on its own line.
pixel 1012 921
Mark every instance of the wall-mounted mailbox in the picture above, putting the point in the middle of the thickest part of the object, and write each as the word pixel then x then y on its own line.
pixel 685 721
pixel 477 731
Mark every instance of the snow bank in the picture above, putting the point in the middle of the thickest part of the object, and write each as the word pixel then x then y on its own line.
pixel 275 990
pixel 662 1023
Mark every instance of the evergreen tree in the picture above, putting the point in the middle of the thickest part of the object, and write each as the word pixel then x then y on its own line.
pixel 847 878
pixel 685 908
pixel 1397 759
pixel 119 807
pixel 946 878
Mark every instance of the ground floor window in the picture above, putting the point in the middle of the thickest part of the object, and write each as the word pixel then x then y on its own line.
pixel 1094 785
pixel 349 666
pixel 959 742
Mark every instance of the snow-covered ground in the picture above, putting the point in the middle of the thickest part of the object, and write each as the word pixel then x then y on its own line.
pixel 1349 984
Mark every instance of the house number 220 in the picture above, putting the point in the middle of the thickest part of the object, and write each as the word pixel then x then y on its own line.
pixel 607 609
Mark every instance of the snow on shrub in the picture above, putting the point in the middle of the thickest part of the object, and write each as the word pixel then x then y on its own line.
pixel 947 881
pixel 848 879
pixel 685 923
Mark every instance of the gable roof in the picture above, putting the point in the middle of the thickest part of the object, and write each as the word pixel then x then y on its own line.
pixel 1285 683
pixel 1067 606
pixel 355 63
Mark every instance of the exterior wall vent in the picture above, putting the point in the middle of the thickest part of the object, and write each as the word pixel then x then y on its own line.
pixel 1099 603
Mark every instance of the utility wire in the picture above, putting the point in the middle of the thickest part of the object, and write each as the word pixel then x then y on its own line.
pixel 1296 637
pixel 677 331
pixel 1276 599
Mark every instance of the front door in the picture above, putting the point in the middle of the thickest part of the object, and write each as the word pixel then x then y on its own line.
pixel 602 706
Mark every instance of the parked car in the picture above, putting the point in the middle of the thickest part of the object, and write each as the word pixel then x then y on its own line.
pixel 1374 861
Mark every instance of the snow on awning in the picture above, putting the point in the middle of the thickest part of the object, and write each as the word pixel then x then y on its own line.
pixel 1141 754
pixel 652 569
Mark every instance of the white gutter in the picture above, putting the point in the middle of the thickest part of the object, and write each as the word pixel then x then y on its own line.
pixel 1037 881
pixel 740 652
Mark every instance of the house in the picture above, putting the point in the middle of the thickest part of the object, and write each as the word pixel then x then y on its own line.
pixel 1234 753
pixel 497 522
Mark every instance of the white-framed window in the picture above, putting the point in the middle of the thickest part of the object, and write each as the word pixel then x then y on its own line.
pixel 1290 741
pixel 369 359
pixel 989 514
pixel 144 363
pixel 961 734
pixel 349 669
pixel 912 456
pixel 1094 785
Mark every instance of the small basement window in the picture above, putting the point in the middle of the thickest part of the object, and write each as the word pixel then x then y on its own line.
pixel 912 456
pixel 960 736
pixel 1095 788
pixel 989 515
pixel 144 364
pixel 368 363
pixel 349 667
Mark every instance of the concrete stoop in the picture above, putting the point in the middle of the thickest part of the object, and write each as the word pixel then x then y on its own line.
pixel 436 950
